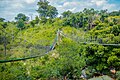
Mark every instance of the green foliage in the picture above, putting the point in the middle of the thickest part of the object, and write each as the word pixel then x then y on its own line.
pixel 73 61
pixel 100 58
pixel 20 24
pixel 21 16
pixel 46 10
pixel 75 20
pixel 66 14
pixel 14 72
pixel 3 24
pixel 21 20
pixel 118 75
pixel 37 19
pixel 115 30
pixel 2 19
pixel 115 13
pixel 44 20
pixel 68 58
pixel 35 22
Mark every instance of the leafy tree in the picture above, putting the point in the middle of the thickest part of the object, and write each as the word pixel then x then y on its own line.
pixel 90 11
pixel 32 23
pixel 37 19
pixel 20 24
pixel 42 10
pixel 21 16
pixel 43 20
pixel 103 12
pixel 3 24
pixel 115 13
pixel 103 16
pixel 83 19
pixel 115 30
pixel 46 10
pixel 52 12
pixel 90 14
pixel 66 14
pixel 21 19
pixel 2 19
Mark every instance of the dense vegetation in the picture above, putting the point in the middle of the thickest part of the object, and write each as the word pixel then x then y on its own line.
pixel 24 38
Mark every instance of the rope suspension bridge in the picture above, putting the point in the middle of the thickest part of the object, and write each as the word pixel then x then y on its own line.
pixel 40 50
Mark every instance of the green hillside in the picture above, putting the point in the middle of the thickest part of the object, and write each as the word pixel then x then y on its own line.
pixel 60 48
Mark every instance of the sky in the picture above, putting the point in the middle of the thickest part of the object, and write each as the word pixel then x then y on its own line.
pixel 10 8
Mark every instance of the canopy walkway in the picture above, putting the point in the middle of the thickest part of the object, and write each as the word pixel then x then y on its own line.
pixel 46 49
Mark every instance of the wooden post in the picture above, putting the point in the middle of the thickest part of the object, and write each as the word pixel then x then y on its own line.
pixel 58 36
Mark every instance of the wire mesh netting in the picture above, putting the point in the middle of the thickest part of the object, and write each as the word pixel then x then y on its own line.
pixel 22 49
pixel 19 48
pixel 91 40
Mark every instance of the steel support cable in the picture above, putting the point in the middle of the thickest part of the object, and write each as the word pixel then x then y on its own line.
pixel 20 59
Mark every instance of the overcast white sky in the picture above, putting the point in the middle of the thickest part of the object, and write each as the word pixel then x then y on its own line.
pixel 10 8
